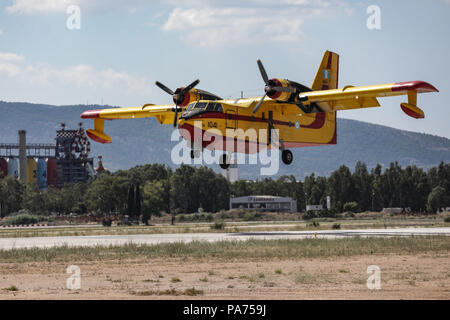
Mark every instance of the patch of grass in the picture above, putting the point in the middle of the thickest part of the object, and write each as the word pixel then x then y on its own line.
pixel 150 280
pixel 261 275
pixel 168 292
pixel 205 279
pixel 12 288
pixel 269 284
pixel 229 250
pixel 193 292
pixel 211 273
pixel 304 278
pixel 175 279
pixel 344 271
pixel 359 281
pixel 278 271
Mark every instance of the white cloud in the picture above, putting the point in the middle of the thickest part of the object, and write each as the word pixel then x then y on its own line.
pixel 81 76
pixel 1 32
pixel 39 6
pixel 215 27
pixel 60 6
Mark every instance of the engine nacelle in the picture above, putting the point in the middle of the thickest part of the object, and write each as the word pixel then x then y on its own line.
pixel 279 95
pixel 193 95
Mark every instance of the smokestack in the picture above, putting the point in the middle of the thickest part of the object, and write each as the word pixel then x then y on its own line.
pixel 22 155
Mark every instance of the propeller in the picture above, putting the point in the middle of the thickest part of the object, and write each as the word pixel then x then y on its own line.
pixel 271 86
pixel 178 96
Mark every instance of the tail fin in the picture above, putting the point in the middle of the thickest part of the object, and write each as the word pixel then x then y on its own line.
pixel 328 74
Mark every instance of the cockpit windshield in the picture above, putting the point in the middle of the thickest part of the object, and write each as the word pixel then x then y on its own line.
pixel 196 108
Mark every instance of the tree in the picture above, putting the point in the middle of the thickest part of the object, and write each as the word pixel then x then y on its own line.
pixel 108 194
pixel 137 206
pixel 12 194
pixel 153 200
pixel 341 187
pixel 184 191
pixel 436 199
pixel 131 201
pixel 33 199
pixel 362 186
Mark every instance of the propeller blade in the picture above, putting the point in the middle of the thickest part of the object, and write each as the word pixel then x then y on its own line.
pixel 175 119
pixel 259 104
pixel 263 71
pixel 192 85
pixel 159 84
pixel 283 89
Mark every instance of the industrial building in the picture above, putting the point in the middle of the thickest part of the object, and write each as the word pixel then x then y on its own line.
pixel 265 203
pixel 49 164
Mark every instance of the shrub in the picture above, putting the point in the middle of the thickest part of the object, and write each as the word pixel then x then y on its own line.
pixel 336 226
pixel 327 213
pixel 351 207
pixel 252 215
pixel 218 225
pixel 224 215
pixel 314 224
pixel 181 218
pixel 107 222
pixel 309 215
pixel 447 219
pixel 24 218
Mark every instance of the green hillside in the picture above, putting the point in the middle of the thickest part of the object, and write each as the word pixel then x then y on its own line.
pixel 143 141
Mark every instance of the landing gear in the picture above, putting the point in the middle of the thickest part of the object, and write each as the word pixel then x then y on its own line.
pixel 287 156
pixel 195 153
pixel 224 161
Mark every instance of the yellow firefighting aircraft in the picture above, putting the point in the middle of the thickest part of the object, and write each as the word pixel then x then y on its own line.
pixel 303 116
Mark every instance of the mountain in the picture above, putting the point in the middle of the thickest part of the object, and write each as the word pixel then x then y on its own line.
pixel 141 141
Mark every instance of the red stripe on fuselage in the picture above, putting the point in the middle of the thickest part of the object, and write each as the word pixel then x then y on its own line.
pixel 318 122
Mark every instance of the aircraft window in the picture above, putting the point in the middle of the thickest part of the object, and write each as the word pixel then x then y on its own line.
pixel 190 106
pixel 200 105
pixel 218 107
pixel 211 106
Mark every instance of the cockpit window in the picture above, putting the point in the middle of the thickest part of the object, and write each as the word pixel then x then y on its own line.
pixel 196 108
pixel 200 105
pixel 190 106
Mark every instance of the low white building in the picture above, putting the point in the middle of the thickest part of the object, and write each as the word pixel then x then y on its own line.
pixel 265 203
pixel 314 207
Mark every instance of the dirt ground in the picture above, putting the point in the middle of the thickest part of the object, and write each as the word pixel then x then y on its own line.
pixel 425 276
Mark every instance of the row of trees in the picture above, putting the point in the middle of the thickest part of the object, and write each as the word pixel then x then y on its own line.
pixel 150 189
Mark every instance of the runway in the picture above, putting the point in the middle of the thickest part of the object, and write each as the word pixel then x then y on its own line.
pixel 115 240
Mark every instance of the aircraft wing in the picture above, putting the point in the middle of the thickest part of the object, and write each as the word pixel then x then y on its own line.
pixel 351 97
pixel 163 113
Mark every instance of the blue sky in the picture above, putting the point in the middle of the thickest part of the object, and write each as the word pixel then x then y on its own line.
pixel 124 46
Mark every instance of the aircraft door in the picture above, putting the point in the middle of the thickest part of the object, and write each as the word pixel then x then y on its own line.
pixel 270 126
pixel 230 119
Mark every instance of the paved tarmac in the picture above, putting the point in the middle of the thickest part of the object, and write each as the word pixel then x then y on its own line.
pixel 108 240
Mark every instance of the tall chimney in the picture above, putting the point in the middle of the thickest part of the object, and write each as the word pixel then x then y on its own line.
pixel 22 155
